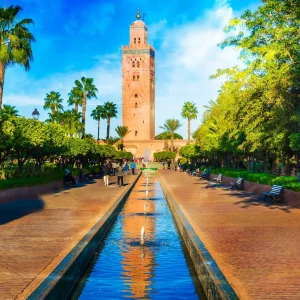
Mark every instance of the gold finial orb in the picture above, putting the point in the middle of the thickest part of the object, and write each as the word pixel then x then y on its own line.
pixel 138 16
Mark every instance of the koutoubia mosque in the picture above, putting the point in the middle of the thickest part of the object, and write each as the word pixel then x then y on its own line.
pixel 138 94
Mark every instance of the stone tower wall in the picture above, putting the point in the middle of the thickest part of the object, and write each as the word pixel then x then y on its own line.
pixel 138 85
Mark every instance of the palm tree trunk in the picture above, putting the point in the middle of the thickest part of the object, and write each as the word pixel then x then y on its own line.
pixel 172 141
pixel 108 129
pixel 83 113
pixel 98 130
pixel 52 111
pixel 76 107
pixel 2 74
pixel 189 130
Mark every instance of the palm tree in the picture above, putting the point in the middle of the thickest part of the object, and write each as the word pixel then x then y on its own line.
pixel 8 112
pixel 109 112
pixel 15 42
pixel 98 114
pixel 70 120
pixel 122 131
pixel 189 111
pixel 75 98
pixel 171 125
pixel 53 101
pixel 56 117
pixel 88 90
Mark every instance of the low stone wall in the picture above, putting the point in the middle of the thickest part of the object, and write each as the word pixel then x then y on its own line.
pixel 289 197
pixel 30 192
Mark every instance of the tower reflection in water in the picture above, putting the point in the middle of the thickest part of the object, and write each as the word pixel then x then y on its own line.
pixel 138 260
pixel 160 269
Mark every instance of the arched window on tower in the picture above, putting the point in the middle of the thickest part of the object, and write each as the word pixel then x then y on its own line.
pixel 138 64
pixel 135 105
pixel 137 77
pixel 135 40
pixel 133 64
pixel 135 133
pixel 139 40
pixel 135 96
pixel 133 78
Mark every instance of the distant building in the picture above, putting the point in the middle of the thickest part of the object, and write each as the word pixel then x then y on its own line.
pixel 138 94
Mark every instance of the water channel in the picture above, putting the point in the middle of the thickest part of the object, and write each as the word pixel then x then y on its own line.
pixel 122 268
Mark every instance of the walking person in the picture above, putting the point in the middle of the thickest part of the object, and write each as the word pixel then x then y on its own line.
pixel 163 164
pixel 106 172
pixel 133 167
pixel 114 168
pixel 120 175
pixel 126 167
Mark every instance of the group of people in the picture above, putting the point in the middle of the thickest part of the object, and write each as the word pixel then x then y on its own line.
pixel 118 169
pixel 172 165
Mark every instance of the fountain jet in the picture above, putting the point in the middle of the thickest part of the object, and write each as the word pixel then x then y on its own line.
pixel 145 209
pixel 143 236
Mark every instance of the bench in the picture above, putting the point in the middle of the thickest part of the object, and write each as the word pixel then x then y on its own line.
pixel 275 192
pixel 218 179
pixel 238 184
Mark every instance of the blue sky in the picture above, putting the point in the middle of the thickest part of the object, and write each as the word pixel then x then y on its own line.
pixel 78 38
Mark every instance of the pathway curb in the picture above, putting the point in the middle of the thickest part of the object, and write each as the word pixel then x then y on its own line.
pixel 214 283
pixel 60 282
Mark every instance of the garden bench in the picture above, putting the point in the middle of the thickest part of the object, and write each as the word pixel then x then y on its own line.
pixel 238 184
pixel 218 179
pixel 275 192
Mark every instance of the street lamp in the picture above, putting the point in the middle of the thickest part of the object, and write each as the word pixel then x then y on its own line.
pixel 35 114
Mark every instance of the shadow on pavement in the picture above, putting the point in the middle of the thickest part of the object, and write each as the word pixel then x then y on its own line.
pixel 247 199
pixel 18 209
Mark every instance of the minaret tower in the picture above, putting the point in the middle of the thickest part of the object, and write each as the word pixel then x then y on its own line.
pixel 138 84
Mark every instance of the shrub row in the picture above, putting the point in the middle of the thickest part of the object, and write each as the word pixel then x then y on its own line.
pixel 289 182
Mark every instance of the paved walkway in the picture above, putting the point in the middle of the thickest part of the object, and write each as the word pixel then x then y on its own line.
pixel 255 244
pixel 36 234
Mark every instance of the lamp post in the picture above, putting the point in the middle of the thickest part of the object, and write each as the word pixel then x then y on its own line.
pixel 35 114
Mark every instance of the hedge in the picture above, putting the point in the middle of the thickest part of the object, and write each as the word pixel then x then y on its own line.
pixel 289 182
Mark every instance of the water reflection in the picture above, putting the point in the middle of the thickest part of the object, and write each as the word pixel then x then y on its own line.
pixel 160 269
pixel 138 262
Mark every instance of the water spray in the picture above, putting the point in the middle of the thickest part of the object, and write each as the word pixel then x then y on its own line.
pixel 143 236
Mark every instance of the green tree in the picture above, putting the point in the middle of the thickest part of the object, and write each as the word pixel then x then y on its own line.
pixel 98 114
pixel 70 120
pixel 167 136
pixel 15 41
pixel 88 90
pixel 109 111
pixel 171 125
pixel 189 151
pixel 8 112
pixel 164 155
pixel 122 131
pixel 189 111
pixel 75 98
pixel 53 101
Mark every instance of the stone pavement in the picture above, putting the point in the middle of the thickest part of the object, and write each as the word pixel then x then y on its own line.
pixel 35 234
pixel 255 243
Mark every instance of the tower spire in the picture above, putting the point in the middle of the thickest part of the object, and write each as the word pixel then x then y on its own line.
pixel 138 15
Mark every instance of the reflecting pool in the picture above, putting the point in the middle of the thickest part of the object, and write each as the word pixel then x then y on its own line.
pixel 122 268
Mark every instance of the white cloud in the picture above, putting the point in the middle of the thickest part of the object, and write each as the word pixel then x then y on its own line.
pixel 186 57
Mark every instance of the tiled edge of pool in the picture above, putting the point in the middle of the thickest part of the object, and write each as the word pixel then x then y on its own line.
pixel 214 283
pixel 62 279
